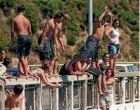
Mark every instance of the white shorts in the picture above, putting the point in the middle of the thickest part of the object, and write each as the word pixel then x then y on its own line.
pixel 106 100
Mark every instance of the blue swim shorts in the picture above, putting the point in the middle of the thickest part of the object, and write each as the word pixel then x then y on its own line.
pixel 113 49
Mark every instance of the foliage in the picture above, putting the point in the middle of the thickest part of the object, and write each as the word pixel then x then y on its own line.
pixel 135 50
pixel 125 4
pixel 38 10
pixel 71 40
pixel 32 14
pixel 35 45
pixel 126 15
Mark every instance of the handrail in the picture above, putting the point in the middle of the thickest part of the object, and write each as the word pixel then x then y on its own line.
pixel 119 92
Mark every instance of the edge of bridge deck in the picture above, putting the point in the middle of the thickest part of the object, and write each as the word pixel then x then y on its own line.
pixel 63 78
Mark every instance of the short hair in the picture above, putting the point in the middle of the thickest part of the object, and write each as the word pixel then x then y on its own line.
pixel 2 49
pixel 18 89
pixel 59 15
pixel 7 62
pixel 21 8
pixel 46 66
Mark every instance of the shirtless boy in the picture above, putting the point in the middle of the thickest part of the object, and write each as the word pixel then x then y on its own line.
pixel 60 41
pixel 14 100
pixel 23 29
pixel 48 41
pixel 88 50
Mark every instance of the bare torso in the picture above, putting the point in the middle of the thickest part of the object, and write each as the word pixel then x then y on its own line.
pixel 14 102
pixel 51 26
pixel 22 25
pixel 99 31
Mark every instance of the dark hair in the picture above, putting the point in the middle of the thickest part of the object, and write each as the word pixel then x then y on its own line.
pixel 59 15
pixel 21 8
pixel 2 49
pixel 45 66
pixel 18 89
pixel 7 62
pixel 104 55
pixel 115 21
pixel 108 68
pixel 99 47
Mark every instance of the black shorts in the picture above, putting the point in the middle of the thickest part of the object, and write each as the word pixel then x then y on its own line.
pixel 89 49
pixel 94 71
pixel 24 45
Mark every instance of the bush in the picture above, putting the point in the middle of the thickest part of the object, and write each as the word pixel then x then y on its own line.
pixel 134 27
pixel 134 21
pixel 4 42
pixel 71 40
pixel 126 15
pixel 125 4
pixel 32 14
pixel 35 45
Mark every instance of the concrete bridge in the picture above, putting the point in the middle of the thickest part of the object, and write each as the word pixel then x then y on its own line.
pixel 79 93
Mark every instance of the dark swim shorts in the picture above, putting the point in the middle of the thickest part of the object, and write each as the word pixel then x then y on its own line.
pixel 24 45
pixel 47 53
pixel 94 71
pixel 89 49
pixel 113 49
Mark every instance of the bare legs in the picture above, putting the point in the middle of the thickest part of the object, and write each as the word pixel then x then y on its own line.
pixel 104 108
pixel 77 58
pixel 23 66
pixel 113 62
pixel 43 78
pixel 99 81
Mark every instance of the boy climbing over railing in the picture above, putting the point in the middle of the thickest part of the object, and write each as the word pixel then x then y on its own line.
pixel 15 98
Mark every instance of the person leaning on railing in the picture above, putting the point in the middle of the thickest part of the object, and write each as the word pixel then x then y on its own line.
pixel 75 69
pixel 106 100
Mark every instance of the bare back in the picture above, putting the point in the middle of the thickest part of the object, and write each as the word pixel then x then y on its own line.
pixel 49 27
pixel 14 102
pixel 99 31
pixel 22 25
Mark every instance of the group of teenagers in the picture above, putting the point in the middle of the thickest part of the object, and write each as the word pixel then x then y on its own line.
pixel 52 43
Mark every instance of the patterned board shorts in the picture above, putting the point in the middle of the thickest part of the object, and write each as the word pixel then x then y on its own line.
pixel 89 49
pixel 113 49
pixel 47 53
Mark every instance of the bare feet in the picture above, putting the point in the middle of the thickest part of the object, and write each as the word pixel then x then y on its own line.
pixel 100 92
pixel 106 92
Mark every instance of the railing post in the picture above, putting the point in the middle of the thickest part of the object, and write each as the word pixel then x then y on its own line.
pixel 84 107
pixel 3 96
pixel 138 87
pixel 71 94
pixel 123 90
pixel 56 99
pixel 113 92
pixel 39 97
pixel 133 90
pixel 23 101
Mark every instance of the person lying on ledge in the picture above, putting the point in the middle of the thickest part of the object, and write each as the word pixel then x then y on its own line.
pixel 75 69
pixel 42 73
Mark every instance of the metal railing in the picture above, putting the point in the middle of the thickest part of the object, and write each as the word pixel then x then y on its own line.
pixel 79 93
